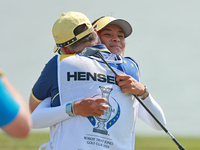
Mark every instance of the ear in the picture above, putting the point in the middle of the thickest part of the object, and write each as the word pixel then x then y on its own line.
pixel 95 29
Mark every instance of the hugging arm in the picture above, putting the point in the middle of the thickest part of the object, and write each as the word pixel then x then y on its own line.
pixel 155 109
pixel 129 85
pixel 45 116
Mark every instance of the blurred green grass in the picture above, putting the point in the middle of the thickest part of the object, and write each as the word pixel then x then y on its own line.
pixel 35 139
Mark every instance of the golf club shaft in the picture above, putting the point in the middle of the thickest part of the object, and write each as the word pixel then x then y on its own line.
pixel 170 135
pixel 166 131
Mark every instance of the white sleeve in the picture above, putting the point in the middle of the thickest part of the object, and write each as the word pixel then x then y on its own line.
pixel 45 116
pixel 155 109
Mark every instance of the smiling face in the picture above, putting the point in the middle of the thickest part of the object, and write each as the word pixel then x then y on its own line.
pixel 113 37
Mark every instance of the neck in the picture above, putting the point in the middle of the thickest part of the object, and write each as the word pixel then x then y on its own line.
pixel 66 50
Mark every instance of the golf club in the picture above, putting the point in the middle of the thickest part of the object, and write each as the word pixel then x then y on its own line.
pixel 89 51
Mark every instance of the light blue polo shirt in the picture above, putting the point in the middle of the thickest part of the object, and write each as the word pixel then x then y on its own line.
pixel 9 107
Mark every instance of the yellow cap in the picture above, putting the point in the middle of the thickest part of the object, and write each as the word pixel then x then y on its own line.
pixel 63 28
pixel 123 24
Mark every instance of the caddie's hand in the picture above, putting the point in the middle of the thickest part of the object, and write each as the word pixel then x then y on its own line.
pixel 129 85
pixel 90 107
